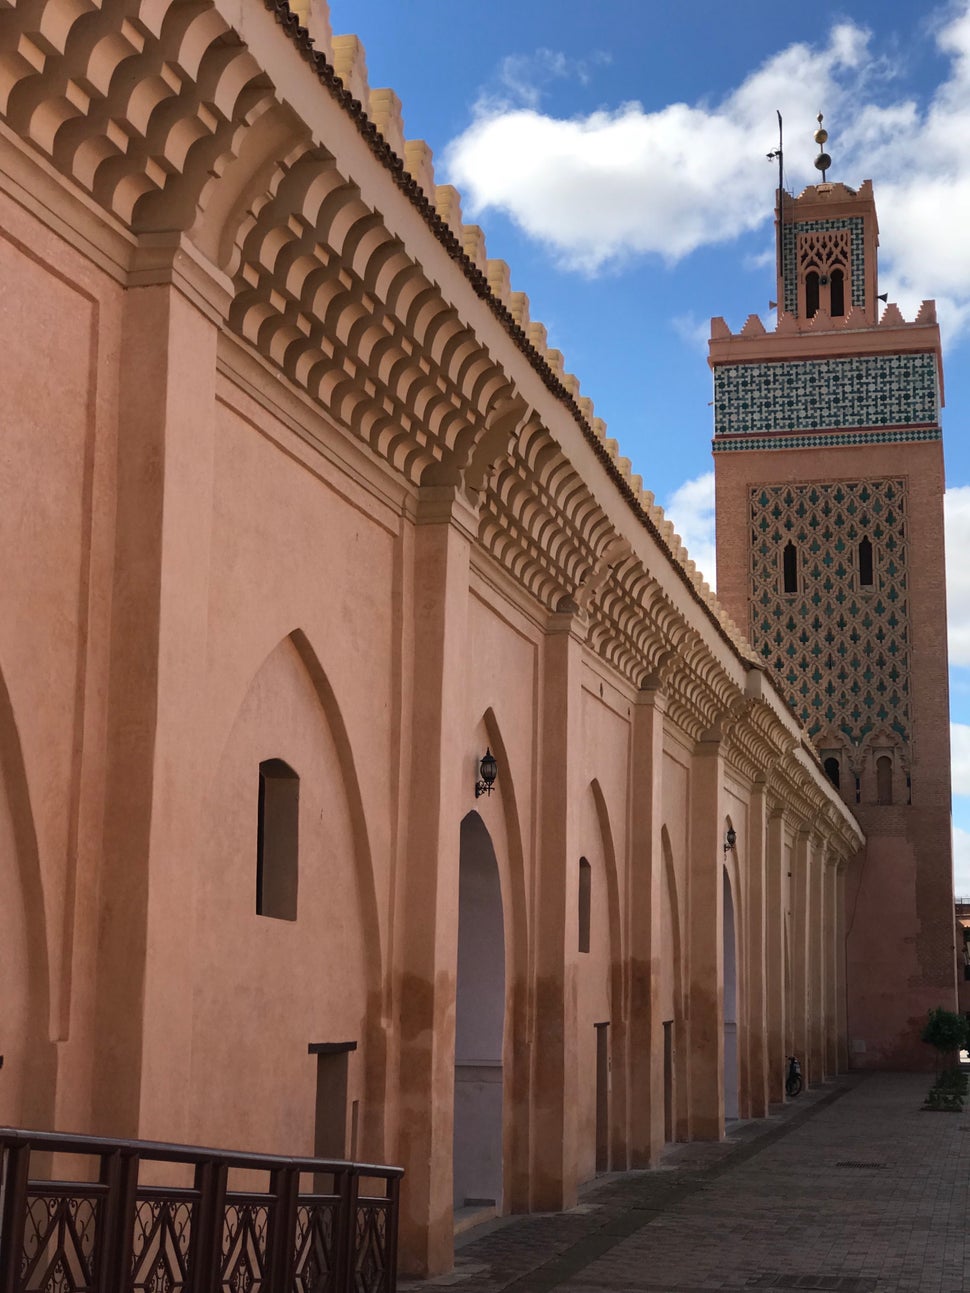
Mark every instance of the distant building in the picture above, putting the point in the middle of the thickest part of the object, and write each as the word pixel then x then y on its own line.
pixel 378 775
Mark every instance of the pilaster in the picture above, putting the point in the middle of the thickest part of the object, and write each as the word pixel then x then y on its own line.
pixel 816 961
pixel 800 925
pixel 831 959
pixel 156 744
pixel 756 856
pixel 439 572
pixel 646 1024
pixel 842 1026
pixel 775 995
pixel 555 1074
pixel 706 924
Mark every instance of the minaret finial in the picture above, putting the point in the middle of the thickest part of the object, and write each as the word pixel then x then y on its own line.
pixel 823 161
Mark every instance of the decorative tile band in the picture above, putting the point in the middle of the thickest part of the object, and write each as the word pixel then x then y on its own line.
pixel 825 440
pixel 790 258
pixel 817 394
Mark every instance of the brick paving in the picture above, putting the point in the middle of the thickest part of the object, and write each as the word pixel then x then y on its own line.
pixel 849 1189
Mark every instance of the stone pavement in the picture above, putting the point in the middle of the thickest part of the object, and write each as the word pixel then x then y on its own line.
pixel 851 1188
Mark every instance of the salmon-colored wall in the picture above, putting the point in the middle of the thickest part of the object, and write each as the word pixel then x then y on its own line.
pixel 214 556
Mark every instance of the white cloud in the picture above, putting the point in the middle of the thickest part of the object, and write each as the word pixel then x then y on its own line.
pixel 623 181
pixel 522 78
pixel 692 330
pixel 691 509
pixel 956 511
pixel 961 863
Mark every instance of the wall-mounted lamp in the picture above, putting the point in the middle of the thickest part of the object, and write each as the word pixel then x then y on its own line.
pixel 489 769
pixel 730 839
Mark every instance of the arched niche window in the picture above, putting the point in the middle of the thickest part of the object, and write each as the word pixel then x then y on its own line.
pixel 789 568
pixel 865 563
pixel 884 779
pixel 837 293
pixel 585 903
pixel 833 770
pixel 277 840
pixel 811 294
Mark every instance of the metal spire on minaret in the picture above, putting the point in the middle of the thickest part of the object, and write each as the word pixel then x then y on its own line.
pixel 823 161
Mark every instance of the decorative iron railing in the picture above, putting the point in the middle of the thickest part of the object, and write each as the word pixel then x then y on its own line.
pixel 119 1232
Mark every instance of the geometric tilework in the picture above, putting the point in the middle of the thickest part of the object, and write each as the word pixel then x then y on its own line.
pixel 789 258
pixel 824 440
pixel 840 650
pixel 815 394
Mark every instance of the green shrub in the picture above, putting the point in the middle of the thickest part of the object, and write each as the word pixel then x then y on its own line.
pixel 945 1030
pixel 944 1101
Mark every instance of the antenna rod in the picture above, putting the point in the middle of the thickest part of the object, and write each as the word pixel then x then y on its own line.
pixel 781 218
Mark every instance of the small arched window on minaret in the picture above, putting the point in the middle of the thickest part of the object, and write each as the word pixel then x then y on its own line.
pixel 833 771
pixel 865 563
pixel 884 779
pixel 811 294
pixel 837 293
pixel 789 568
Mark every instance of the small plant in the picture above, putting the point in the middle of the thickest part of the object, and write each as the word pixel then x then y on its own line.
pixel 942 1101
pixel 946 1031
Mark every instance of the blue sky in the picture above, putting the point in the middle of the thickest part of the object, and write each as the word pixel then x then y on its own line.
pixel 615 155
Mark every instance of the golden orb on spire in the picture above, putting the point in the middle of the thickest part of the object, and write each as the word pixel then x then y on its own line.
pixel 823 161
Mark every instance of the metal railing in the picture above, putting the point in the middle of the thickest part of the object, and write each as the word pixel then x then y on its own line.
pixel 122 1234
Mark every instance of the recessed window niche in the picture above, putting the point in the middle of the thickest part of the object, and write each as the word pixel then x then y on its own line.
pixel 277 840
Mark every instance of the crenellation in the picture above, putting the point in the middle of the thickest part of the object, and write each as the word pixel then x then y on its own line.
pixel 419 164
pixel 519 309
pixel 500 280
pixel 571 383
pixel 473 244
pixel 350 64
pixel 586 408
pixel 719 328
pixel 892 316
pixel 384 109
pixel 447 204
pixel 314 15
pixel 788 324
pixel 536 332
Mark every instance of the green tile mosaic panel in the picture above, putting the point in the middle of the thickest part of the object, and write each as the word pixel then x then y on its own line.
pixel 789 251
pixel 741 444
pixel 815 394
pixel 840 651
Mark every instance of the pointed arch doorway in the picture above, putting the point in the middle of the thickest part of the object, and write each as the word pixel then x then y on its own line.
pixel 479 1023
pixel 730 1005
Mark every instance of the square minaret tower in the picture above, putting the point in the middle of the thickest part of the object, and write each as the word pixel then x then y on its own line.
pixel 829 483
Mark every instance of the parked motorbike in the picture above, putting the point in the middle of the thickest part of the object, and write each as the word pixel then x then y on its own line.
pixel 793 1082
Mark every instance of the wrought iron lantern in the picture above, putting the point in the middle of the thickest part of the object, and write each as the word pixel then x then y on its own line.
pixel 730 839
pixel 489 770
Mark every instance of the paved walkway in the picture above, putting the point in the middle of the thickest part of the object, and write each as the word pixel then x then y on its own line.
pixel 850 1189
